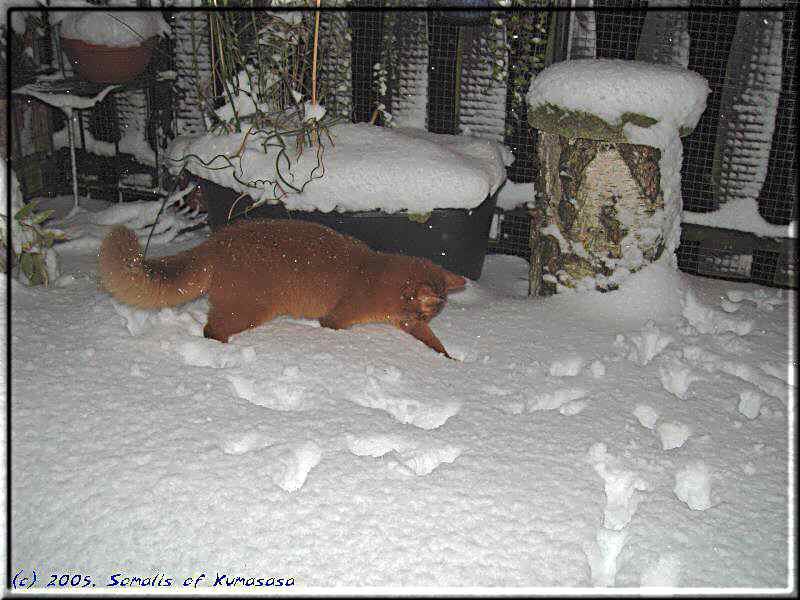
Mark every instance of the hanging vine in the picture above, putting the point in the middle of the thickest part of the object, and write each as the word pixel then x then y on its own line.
pixel 522 52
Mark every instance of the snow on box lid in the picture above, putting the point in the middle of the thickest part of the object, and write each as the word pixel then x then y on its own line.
pixel 366 168
pixel 112 28
pixel 595 98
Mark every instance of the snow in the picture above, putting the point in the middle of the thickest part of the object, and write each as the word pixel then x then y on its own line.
pixel 621 486
pixel 609 88
pixel 65 101
pixel 566 367
pixel 359 459
pixel 709 320
pixel 665 137
pixel 693 485
pixel 664 573
pixel 647 415
pixel 647 343
pixel 750 403
pixel 676 377
pixel 513 195
pixel 85 229
pixel 313 112
pixel 597 369
pixel 241 99
pixel 111 28
pixel 365 168
pixel 741 214
pixel 672 435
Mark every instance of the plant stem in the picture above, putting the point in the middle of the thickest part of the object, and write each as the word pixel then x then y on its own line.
pixel 314 62
pixel 314 58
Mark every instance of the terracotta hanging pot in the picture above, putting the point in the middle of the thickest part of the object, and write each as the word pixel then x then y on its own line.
pixel 108 64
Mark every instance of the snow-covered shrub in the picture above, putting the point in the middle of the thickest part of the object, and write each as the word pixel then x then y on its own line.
pixel 264 85
pixel 33 259
pixel 265 71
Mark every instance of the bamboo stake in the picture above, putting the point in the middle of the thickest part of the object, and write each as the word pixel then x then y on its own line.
pixel 314 58
pixel 314 67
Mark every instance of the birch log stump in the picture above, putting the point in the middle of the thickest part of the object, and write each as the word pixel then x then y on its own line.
pixel 608 188
pixel 597 213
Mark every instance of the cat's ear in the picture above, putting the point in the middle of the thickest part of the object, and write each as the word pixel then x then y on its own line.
pixel 453 281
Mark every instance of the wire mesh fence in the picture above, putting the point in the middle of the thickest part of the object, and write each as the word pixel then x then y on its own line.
pixel 618 31
pixel 425 69
pixel 712 173
pixel 367 29
pixel 777 200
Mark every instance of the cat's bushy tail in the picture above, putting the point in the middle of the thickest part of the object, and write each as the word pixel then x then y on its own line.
pixel 152 283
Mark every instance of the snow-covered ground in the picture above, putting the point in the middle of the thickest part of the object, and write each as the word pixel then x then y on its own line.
pixel 635 438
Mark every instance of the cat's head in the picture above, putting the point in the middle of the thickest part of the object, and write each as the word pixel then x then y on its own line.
pixel 424 292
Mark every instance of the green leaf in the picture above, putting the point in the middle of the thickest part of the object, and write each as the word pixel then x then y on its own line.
pixel 26 265
pixel 419 217
pixel 33 266
pixel 42 216
pixel 23 212
pixel 41 270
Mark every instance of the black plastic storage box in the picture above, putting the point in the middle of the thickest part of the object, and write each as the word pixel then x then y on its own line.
pixel 454 238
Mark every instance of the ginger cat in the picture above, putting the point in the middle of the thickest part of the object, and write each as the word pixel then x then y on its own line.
pixel 256 270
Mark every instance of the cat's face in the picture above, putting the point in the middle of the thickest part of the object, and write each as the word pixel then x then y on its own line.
pixel 424 293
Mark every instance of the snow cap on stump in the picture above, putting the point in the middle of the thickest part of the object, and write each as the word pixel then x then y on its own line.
pixel 595 98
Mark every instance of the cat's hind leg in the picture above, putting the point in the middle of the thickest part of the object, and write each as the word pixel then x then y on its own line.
pixel 343 315
pixel 224 320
